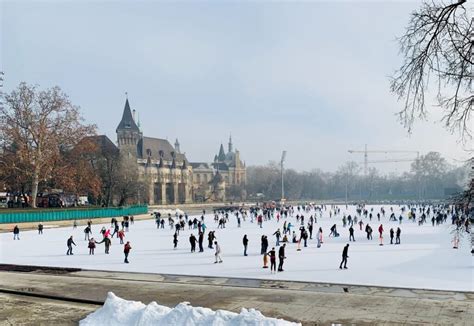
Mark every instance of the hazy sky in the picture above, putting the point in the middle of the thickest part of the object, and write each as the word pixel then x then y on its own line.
pixel 311 78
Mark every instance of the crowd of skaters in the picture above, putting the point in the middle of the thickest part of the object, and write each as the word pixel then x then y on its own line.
pixel 297 228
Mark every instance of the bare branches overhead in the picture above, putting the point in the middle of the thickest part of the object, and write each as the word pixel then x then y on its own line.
pixel 437 50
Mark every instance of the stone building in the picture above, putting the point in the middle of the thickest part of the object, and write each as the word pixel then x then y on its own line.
pixel 169 176
pixel 166 171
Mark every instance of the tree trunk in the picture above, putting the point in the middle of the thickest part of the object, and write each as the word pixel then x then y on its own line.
pixel 34 188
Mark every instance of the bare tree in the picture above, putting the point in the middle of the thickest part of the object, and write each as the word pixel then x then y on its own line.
pixel 35 128
pixel 438 42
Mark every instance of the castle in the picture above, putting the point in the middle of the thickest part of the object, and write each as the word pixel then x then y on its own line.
pixel 170 178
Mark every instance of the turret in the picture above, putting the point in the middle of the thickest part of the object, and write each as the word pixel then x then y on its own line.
pixel 128 133
pixel 176 146
pixel 230 143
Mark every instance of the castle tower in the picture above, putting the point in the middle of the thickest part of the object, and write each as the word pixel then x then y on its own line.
pixel 230 143
pixel 128 133
pixel 176 146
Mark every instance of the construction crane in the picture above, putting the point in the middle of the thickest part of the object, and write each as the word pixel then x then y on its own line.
pixel 366 156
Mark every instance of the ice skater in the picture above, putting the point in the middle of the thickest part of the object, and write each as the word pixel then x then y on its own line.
pixel 345 252
pixel 70 242
pixel 245 242
pixel 272 254
pixel 281 257
pixel 126 251
pixel 351 234
pixel 192 241
pixel 91 246
pixel 16 233
pixel 218 253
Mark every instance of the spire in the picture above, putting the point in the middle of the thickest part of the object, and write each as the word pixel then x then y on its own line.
pixel 221 155
pixel 230 143
pixel 176 146
pixel 127 121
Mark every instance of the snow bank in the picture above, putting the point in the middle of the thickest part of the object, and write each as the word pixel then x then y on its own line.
pixel 117 311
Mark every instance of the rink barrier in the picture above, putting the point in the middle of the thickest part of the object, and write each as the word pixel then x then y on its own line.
pixel 70 214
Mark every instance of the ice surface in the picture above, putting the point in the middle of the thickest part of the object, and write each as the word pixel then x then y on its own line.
pixel 425 258
pixel 117 311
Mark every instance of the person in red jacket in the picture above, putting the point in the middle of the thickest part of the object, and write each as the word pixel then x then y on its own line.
pixel 121 235
pixel 126 251
pixel 381 234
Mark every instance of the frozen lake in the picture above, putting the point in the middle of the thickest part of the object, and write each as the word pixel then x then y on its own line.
pixel 424 259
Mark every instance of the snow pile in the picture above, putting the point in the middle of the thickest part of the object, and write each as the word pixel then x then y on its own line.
pixel 117 311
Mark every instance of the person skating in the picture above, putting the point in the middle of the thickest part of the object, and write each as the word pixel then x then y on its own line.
pixel 16 233
pixel 265 260
pixel 91 246
pixel 333 231
pixel 200 240
pixel 121 235
pixel 70 242
pixel 40 228
pixel 126 251
pixel 345 252
pixel 210 238
pixel 245 242
pixel 87 232
pixel 391 235
pixel 277 235
pixel 272 254
pixel 351 234
pixel 281 257
pixel 381 234
pixel 397 238
pixel 319 237
pixel 192 241
pixel 107 242
pixel 218 253
pixel 175 240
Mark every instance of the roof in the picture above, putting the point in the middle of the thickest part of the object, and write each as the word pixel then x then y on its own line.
pixel 103 142
pixel 221 166
pixel 127 122
pixel 221 155
pixel 200 165
pixel 154 146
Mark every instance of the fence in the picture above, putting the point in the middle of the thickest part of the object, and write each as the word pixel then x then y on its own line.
pixel 69 214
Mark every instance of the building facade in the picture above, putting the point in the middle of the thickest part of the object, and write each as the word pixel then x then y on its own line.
pixel 169 177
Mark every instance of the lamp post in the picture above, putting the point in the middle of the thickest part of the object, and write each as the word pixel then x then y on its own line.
pixel 283 156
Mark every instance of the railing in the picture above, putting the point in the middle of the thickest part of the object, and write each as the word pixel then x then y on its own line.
pixel 69 214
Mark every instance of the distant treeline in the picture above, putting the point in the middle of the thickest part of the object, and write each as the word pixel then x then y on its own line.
pixel 430 177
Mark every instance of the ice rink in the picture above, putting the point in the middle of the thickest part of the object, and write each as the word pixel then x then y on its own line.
pixel 424 259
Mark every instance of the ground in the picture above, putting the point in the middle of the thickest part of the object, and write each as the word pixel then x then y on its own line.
pixel 425 259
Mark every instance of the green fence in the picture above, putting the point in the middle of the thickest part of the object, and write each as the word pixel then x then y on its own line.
pixel 69 214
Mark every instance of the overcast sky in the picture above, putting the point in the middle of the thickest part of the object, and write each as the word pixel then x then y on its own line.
pixel 311 78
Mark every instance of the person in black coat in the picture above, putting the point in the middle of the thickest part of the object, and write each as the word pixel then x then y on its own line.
pixel 16 233
pixel 201 239
pixel 391 235
pixel 245 242
pixel 351 234
pixel 345 252
pixel 192 240
pixel 70 242
pixel 281 257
